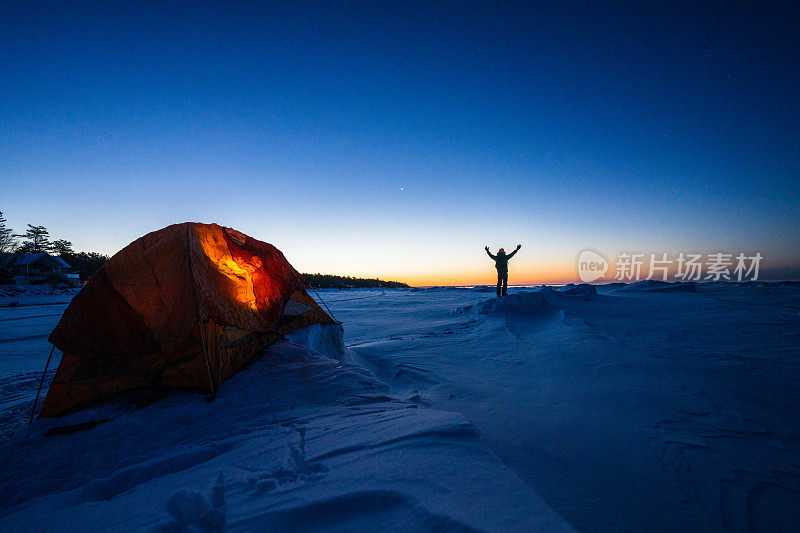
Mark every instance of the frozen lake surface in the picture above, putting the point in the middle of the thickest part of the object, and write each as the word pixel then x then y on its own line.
pixel 639 408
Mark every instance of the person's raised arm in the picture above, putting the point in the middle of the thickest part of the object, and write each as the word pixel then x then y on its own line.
pixel 515 251
pixel 490 253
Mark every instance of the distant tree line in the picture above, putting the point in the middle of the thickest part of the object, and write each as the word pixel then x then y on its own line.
pixel 36 239
pixel 327 281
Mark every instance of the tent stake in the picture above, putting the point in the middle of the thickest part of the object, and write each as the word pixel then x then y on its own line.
pixel 205 354
pixel 36 402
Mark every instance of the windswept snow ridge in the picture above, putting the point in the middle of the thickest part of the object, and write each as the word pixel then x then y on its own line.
pixel 664 407
pixel 296 441
pixel 527 303
pixel 660 286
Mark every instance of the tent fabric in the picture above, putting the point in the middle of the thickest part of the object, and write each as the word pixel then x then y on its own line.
pixel 144 319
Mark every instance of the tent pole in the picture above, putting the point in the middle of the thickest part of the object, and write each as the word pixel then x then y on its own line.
pixel 205 354
pixel 36 401
pixel 323 303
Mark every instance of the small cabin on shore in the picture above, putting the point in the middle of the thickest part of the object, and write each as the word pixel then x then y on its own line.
pixel 25 269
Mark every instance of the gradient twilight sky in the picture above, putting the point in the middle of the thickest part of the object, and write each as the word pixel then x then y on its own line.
pixel 397 141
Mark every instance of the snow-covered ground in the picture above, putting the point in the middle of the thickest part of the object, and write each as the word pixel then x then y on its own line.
pixel 643 407
pixel 299 440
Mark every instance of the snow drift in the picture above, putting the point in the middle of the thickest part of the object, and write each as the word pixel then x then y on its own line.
pixel 627 410
pixel 295 441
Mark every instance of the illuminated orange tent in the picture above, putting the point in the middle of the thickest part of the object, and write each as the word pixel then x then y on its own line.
pixel 182 307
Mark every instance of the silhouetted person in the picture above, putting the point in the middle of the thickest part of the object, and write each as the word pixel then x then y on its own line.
pixel 501 264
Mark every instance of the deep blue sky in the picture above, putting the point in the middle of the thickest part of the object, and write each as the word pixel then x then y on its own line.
pixel 371 139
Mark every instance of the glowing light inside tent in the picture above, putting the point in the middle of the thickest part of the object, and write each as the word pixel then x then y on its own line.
pixel 241 275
